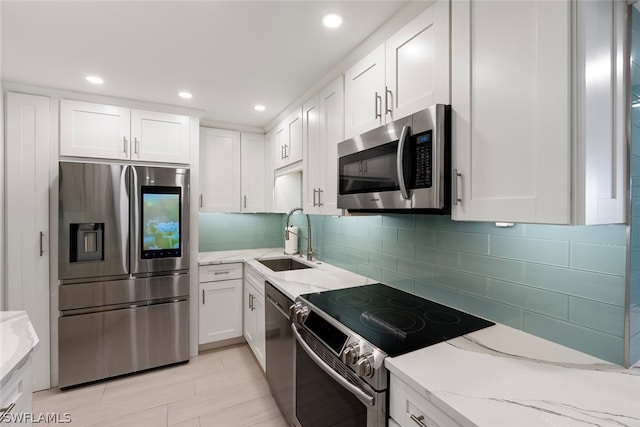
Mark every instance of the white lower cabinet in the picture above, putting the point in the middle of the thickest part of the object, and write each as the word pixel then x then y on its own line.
pixel 17 395
pixel 220 302
pixel 408 408
pixel 253 308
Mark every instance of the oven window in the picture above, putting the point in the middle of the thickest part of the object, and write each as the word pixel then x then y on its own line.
pixel 320 401
pixel 369 171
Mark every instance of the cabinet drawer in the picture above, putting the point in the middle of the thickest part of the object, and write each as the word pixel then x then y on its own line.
pixel 214 272
pixel 409 408
pixel 18 390
pixel 255 279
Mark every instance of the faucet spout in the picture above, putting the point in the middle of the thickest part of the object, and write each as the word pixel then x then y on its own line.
pixel 309 251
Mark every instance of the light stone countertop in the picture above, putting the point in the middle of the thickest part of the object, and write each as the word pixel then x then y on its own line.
pixel 500 376
pixel 17 340
pixel 495 377
pixel 321 277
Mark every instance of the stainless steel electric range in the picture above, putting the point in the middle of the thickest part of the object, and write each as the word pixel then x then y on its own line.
pixel 342 338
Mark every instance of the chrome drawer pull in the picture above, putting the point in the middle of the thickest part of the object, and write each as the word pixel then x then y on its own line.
pixel 419 420
pixel 221 272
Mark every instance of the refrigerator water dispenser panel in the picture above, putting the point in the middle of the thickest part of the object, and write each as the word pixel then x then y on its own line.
pixel 86 242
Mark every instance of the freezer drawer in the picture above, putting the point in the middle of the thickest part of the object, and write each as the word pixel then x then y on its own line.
pixel 105 344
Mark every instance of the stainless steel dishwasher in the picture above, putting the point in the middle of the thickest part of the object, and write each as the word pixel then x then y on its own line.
pixel 279 343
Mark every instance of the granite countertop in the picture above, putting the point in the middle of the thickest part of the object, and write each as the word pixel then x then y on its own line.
pixel 18 339
pixel 321 277
pixel 498 376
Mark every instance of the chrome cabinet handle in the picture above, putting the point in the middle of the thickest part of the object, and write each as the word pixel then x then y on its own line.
pixel 251 302
pixel 454 188
pixel 319 196
pixel 124 145
pixel 203 296
pixel 41 243
pixel 245 200
pixel 285 151
pixel 314 196
pixel 400 164
pixel 387 92
pixel 200 200
pixel 6 410
pixel 377 110
pixel 361 395
pixel 419 420
pixel 221 272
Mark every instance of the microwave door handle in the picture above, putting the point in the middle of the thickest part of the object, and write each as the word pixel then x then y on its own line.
pixel 406 130
pixel 357 392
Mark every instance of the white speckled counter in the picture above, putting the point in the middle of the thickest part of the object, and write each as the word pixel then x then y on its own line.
pixel 501 376
pixel 18 339
pixel 321 277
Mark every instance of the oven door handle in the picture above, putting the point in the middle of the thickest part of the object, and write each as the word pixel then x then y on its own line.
pixel 357 392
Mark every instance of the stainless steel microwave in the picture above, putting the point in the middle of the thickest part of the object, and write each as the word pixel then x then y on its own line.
pixel 401 166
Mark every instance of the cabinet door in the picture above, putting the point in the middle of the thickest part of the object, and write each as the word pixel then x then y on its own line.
pixel 269 146
pixel 260 349
pixel 293 152
pixel 364 91
pixel 248 316
pixel 28 179
pixel 601 104
pixel 331 133
pixel 417 63
pixel 280 147
pixel 159 137
pixel 313 155
pixel 511 111
pixel 252 169
pixel 219 170
pixel 220 310
pixel 94 130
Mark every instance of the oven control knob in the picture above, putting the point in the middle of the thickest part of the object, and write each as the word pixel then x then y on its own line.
pixel 294 308
pixel 301 314
pixel 351 353
pixel 364 365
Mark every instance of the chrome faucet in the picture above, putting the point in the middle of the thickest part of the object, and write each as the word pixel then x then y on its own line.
pixel 309 251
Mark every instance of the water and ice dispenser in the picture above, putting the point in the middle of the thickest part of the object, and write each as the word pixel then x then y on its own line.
pixel 86 242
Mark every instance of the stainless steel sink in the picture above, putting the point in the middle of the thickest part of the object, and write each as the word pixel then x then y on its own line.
pixel 283 264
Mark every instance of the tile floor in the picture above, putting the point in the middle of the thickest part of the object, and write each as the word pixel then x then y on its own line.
pixel 224 387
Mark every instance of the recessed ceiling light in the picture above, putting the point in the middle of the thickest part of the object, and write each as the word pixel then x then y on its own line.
pixel 185 95
pixel 332 20
pixel 259 107
pixel 95 80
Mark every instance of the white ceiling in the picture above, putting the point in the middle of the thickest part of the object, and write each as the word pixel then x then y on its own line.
pixel 229 54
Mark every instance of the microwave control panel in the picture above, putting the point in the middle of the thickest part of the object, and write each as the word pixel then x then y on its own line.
pixel 423 155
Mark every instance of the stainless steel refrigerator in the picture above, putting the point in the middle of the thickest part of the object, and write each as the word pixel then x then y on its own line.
pixel 124 269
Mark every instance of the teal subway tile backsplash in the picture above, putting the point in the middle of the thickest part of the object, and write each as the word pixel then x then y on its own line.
pixel 526 276
pixel 563 283
pixel 603 258
pixel 551 252
pixel 219 232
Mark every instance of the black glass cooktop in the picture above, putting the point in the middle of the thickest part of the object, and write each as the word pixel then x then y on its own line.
pixel 393 320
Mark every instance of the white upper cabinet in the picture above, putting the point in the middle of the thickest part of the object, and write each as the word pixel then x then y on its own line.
pixel 159 137
pixel 408 73
pixel 111 132
pixel 288 140
pixel 252 153
pixel 323 129
pixel 514 103
pixel 219 170
pixel 94 130
pixel 417 63
pixel 600 110
pixel 364 89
